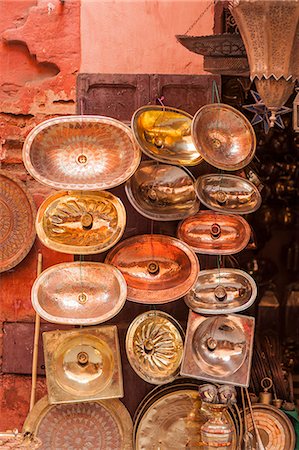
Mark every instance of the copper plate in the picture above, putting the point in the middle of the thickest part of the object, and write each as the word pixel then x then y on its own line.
pixel 214 233
pixel 17 215
pixel 81 153
pixel 224 137
pixel 222 291
pixel 162 192
pixel 228 193
pixel 164 134
pixel 215 45
pixel 81 222
pixel 154 345
pixel 98 425
pixel 157 268
pixel 79 293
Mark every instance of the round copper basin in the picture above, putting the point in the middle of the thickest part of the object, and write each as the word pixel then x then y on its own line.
pixel 81 153
pixel 214 233
pixel 79 293
pixel 162 192
pixel 157 268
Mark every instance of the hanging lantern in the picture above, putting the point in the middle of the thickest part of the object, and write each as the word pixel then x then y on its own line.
pixel 296 112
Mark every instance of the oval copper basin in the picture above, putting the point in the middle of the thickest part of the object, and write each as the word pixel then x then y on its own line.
pixel 214 233
pixel 164 134
pixel 81 153
pixel 79 293
pixel 162 192
pixel 222 291
pixel 157 268
pixel 81 222
pixel 224 137
pixel 228 193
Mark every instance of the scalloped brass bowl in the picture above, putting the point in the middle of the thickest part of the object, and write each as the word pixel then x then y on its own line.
pixel 81 153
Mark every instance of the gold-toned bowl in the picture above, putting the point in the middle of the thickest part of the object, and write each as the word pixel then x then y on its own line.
pixel 81 222
pixel 224 137
pixel 164 133
pixel 79 293
pixel 81 153
pixel 157 268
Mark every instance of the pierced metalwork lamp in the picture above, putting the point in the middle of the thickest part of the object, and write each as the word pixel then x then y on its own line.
pixel 296 111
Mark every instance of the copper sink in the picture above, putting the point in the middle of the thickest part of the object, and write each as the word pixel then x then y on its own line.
pixel 81 222
pixel 228 193
pixel 81 153
pixel 162 192
pixel 157 268
pixel 213 233
pixel 79 293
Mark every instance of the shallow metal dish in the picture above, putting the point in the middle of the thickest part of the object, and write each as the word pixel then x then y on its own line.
pixel 164 133
pixel 81 153
pixel 79 293
pixel 81 222
pixel 162 192
pixel 215 45
pixel 157 268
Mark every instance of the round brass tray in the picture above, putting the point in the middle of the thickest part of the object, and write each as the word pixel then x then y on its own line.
pixel 17 216
pixel 102 425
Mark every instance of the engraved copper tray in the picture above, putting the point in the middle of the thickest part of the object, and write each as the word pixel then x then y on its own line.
pixel 162 192
pixel 17 216
pixel 83 364
pixel 79 293
pixel 222 291
pixel 214 233
pixel 81 222
pixel 154 345
pixel 164 134
pixel 215 45
pixel 81 153
pixel 98 425
pixel 224 137
pixel 157 268
pixel 228 193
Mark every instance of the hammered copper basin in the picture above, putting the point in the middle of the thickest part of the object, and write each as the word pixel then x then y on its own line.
pixel 81 222
pixel 228 193
pixel 81 153
pixel 157 268
pixel 224 137
pixel 214 233
pixel 221 291
pixel 164 134
pixel 79 293
pixel 162 192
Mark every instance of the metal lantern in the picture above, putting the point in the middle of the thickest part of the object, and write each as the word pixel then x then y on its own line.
pixel 296 112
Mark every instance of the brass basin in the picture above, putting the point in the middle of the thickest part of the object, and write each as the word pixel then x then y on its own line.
pixel 164 134
pixel 81 153
pixel 224 137
pixel 214 233
pixel 81 222
pixel 162 192
pixel 221 291
pixel 228 193
pixel 157 268
pixel 79 293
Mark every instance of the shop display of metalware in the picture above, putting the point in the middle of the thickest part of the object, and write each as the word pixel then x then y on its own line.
pixel 157 268
pixel 100 425
pixel 218 431
pixel 17 216
pixel 228 193
pixel 83 364
pixel 218 349
pixel 214 233
pixel 224 136
pixel 81 222
pixel 154 345
pixel 164 133
pixel 79 293
pixel 222 291
pixel 162 192
pixel 81 153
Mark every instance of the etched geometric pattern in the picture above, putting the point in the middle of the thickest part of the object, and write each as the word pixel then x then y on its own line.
pixel 272 431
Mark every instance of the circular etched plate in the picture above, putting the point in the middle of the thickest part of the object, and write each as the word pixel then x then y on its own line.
pixel 17 216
